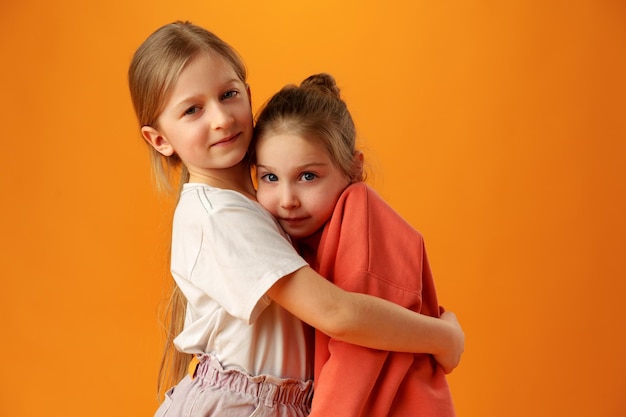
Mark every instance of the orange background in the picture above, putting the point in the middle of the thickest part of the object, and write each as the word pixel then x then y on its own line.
pixel 496 128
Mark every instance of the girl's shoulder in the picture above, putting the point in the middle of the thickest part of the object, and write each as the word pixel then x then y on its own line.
pixel 359 188
pixel 359 191
pixel 201 203
pixel 360 199
pixel 212 198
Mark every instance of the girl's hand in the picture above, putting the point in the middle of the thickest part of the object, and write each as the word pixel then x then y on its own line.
pixel 451 356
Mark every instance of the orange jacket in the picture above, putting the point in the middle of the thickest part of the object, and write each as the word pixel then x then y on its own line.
pixel 367 247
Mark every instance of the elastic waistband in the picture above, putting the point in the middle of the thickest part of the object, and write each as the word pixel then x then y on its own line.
pixel 270 389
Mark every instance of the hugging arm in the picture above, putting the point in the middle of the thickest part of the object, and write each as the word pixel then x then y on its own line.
pixel 366 320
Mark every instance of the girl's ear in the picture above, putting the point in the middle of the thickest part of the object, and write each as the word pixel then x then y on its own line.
pixel 357 160
pixel 357 163
pixel 358 157
pixel 249 94
pixel 157 141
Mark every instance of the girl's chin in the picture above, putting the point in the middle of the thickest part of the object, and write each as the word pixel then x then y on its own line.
pixel 295 232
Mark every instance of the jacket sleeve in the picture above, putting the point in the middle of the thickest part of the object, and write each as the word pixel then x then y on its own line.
pixel 365 247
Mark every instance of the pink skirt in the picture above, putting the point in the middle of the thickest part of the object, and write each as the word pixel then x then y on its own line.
pixel 213 391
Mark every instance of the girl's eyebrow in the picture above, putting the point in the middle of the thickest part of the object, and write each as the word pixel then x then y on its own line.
pixel 198 96
pixel 310 166
pixel 186 101
pixel 232 82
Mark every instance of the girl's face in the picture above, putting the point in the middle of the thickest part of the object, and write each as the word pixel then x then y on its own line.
pixel 207 119
pixel 297 183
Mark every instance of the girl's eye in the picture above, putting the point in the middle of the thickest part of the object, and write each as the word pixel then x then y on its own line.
pixel 230 94
pixel 192 110
pixel 308 176
pixel 269 177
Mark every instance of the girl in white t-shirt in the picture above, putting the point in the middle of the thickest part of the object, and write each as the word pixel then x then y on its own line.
pixel 245 290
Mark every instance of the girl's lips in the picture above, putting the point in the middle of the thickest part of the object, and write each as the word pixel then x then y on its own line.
pixel 294 221
pixel 226 140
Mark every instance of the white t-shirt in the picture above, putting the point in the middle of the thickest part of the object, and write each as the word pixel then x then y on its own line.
pixel 227 251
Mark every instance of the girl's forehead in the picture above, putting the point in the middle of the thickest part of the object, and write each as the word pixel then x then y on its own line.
pixel 206 70
pixel 216 64
pixel 294 144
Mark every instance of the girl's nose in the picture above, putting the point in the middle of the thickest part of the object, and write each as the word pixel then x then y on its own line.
pixel 220 117
pixel 288 199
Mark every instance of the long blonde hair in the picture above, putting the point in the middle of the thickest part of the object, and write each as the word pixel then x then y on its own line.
pixel 154 69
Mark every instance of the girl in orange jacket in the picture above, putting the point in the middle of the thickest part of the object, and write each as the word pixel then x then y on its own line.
pixel 310 177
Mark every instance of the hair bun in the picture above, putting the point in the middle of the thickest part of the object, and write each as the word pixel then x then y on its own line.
pixel 323 82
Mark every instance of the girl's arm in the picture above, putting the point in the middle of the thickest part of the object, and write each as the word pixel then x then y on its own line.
pixel 366 320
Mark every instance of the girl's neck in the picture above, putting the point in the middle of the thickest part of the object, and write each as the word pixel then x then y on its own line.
pixel 308 246
pixel 236 178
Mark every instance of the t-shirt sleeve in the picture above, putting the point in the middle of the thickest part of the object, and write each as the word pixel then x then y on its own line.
pixel 240 253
